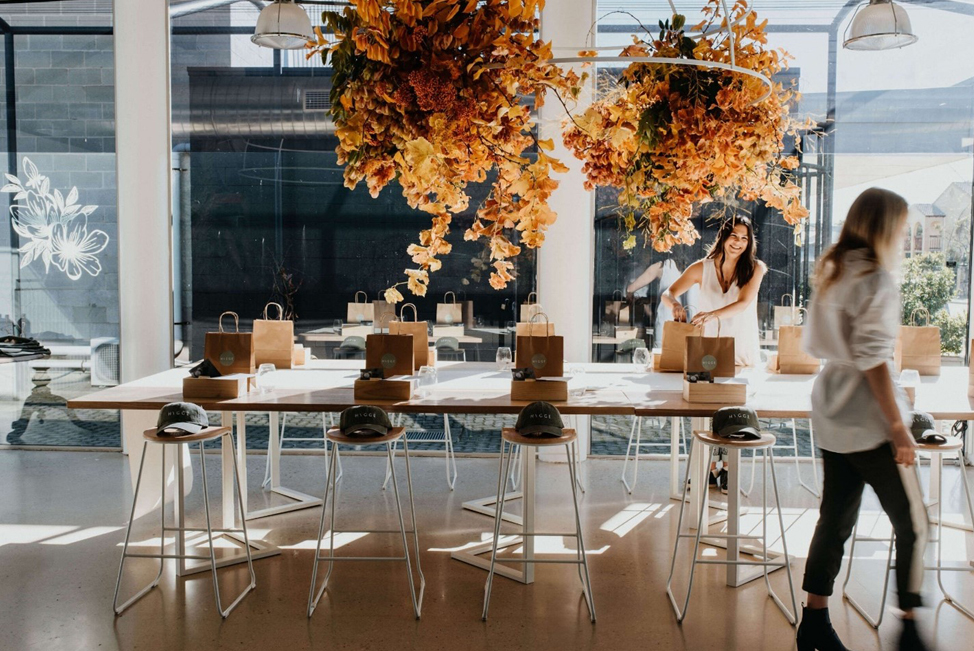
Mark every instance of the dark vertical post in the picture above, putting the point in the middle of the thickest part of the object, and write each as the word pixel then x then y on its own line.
pixel 10 98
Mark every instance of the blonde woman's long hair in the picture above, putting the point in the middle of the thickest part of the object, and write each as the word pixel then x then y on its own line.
pixel 872 226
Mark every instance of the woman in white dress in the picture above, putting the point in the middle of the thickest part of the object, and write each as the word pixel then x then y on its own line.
pixel 729 279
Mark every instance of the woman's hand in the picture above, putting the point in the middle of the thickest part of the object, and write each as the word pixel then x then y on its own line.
pixel 679 313
pixel 904 445
pixel 702 318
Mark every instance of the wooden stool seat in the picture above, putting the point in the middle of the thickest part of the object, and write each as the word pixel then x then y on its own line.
pixel 953 444
pixel 204 435
pixel 511 435
pixel 335 435
pixel 766 440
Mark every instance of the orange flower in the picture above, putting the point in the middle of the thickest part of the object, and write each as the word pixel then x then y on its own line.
pixel 428 94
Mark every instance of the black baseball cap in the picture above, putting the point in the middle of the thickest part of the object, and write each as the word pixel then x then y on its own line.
pixel 539 419
pixel 736 423
pixel 921 424
pixel 364 420
pixel 180 418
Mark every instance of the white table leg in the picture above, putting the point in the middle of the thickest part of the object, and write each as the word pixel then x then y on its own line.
pixel 734 515
pixel 676 490
pixel 274 448
pixel 528 457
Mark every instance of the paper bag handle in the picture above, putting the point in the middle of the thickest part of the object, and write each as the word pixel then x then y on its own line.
pixel 791 300
pixel 403 309
pixel 280 311
pixel 619 292
pixel 450 294
pixel 531 322
pixel 363 294
pixel 921 310
pixel 386 318
pixel 528 301
pixel 236 321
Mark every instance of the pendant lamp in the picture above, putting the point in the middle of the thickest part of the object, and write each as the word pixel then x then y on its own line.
pixel 283 25
pixel 879 25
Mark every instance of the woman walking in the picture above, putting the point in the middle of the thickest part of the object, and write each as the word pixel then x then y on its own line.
pixel 860 416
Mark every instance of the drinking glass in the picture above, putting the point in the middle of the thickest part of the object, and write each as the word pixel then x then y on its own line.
pixel 427 380
pixel 337 326
pixel 503 358
pixel 641 358
pixel 262 379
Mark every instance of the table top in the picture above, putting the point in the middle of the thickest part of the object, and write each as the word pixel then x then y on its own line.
pixel 479 388
pixel 328 335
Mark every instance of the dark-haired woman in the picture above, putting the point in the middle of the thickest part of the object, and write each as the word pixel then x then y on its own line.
pixel 729 279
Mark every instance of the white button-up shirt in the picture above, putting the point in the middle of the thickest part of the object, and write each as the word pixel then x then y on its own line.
pixel 853 327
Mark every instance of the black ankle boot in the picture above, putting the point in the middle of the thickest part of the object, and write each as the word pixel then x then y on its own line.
pixel 816 633
pixel 910 638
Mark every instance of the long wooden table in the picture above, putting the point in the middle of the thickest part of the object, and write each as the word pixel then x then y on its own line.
pixel 479 388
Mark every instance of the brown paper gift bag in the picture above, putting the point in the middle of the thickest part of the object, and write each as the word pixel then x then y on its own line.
pixel 382 312
pixel 449 312
pixel 674 345
pixel 230 352
pixel 715 355
pixel 274 339
pixel 792 360
pixel 536 327
pixel 419 331
pixel 786 315
pixel 918 347
pixel 543 353
pixel 359 312
pixel 392 353
pixel 529 308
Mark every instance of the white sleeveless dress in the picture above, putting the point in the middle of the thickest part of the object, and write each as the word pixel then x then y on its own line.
pixel 742 326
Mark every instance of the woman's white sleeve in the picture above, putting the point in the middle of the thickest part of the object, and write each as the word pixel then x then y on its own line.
pixel 875 321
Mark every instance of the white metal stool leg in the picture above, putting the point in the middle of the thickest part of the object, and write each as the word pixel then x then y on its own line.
pixel 580 540
pixel 637 429
pixel 448 453
pixel 128 533
pixel 503 473
pixel 874 622
pixel 940 528
pixel 764 562
pixel 331 489
pixel 180 530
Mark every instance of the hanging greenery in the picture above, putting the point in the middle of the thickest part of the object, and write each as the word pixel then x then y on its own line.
pixel 671 135
pixel 431 93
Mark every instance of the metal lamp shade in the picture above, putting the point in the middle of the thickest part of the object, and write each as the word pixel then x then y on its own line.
pixel 880 25
pixel 283 26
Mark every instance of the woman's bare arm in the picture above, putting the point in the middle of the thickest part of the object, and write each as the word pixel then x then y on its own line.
pixel 692 276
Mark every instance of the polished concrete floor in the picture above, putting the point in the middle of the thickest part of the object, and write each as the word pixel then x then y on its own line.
pixel 62 518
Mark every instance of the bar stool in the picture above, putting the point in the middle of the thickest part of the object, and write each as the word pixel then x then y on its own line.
pixel 765 445
pixel 512 437
pixel 209 434
pixel 953 447
pixel 336 437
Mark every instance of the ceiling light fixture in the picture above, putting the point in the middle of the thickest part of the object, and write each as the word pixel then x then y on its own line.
pixel 879 25
pixel 283 25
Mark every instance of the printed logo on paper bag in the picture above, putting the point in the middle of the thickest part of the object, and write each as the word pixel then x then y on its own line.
pixel 388 360
pixel 227 357
pixel 539 361
pixel 448 319
pixel 709 362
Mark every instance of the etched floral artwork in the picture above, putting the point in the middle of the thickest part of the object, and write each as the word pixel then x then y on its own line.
pixel 54 227
pixel 431 94
pixel 670 136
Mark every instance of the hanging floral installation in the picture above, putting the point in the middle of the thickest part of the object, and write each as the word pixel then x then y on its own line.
pixel 54 226
pixel 431 93
pixel 670 135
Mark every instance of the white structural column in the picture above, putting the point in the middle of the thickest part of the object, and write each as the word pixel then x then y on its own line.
pixel 143 153
pixel 566 261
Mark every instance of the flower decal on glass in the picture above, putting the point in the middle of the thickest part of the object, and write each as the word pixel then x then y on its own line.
pixel 50 226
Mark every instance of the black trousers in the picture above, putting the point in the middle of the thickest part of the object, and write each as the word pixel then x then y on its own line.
pixel 899 494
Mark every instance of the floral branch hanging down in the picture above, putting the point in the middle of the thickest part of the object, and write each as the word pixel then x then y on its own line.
pixel 429 93
pixel 671 135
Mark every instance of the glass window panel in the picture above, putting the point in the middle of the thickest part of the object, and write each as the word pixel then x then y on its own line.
pixel 59 278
